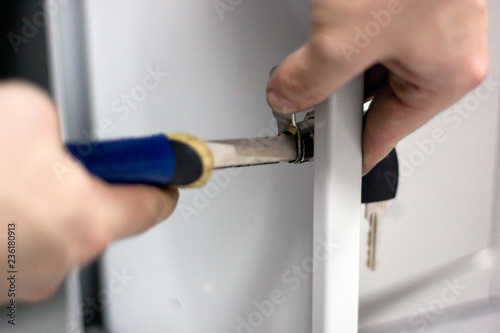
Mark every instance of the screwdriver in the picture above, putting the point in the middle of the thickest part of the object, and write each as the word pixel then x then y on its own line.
pixel 177 159
pixel 183 160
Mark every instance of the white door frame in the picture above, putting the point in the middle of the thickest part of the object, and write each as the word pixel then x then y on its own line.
pixel 337 197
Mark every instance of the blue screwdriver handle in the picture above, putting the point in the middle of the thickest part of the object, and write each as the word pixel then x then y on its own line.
pixel 178 160
pixel 148 160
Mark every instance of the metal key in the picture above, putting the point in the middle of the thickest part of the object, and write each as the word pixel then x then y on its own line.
pixel 374 213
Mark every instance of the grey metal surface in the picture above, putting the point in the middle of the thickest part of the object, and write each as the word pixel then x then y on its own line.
pixel 69 72
pixel 228 245
pixel 69 80
pixel 494 10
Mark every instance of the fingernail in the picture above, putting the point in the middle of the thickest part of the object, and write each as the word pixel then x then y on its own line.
pixel 280 104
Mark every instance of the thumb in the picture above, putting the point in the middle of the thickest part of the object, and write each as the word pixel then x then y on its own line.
pixel 311 74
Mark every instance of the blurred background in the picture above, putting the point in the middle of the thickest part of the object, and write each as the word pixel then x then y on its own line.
pixel 201 270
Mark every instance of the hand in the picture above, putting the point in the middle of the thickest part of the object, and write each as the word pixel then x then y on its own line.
pixel 60 223
pixel 428 54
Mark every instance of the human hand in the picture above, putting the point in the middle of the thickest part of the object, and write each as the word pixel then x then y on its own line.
pixel 425 54
pixel 59 224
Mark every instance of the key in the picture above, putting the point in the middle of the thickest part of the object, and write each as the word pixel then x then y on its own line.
pixel 378 186
pixel 374 213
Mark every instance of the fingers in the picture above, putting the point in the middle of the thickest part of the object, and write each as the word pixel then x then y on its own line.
pixel 132 209
pixel 376 78
pixel 337 51
pixel 389 120
pixel 309 75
